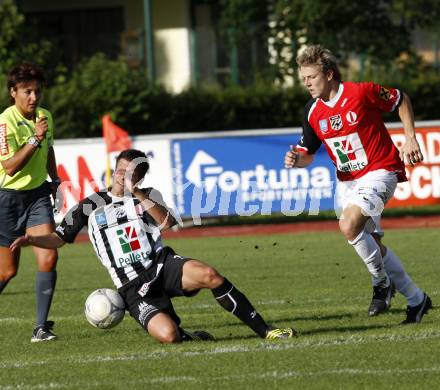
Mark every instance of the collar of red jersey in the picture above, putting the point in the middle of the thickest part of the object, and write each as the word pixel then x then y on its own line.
pixel 332 102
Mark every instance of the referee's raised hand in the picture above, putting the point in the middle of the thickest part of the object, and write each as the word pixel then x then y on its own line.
pixel 41 127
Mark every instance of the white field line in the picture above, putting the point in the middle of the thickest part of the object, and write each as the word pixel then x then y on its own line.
pixel 189 306
pixel 261 347
pixel 25 320
pixel 275 375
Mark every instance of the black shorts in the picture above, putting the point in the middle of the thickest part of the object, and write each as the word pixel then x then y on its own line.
pixel 23 209
pixel 151 292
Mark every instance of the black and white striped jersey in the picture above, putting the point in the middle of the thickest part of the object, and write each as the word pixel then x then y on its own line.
pixel 124 236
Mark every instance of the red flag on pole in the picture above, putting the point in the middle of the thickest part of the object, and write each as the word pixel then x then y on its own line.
pixel 115 138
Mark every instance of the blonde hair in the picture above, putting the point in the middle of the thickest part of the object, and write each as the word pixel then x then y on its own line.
pixel 319 56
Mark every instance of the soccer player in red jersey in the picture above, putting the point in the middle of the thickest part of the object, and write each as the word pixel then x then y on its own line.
pixel 346 118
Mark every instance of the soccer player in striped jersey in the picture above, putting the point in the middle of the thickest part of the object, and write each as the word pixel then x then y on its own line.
pixel 346 118
pixel 124 225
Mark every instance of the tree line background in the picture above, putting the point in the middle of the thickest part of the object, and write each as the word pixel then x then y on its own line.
pixel 376 34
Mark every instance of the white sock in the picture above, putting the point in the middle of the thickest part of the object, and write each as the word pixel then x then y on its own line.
pixel 368 250
pixel 402 281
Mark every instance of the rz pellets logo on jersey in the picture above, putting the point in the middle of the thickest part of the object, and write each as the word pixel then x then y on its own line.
pixel 128 239
pixel 349 152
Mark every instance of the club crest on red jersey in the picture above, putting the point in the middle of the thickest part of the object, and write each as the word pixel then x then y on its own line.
pixel 384 94
pixel 336 122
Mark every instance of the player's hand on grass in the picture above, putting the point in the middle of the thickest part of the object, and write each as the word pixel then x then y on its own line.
pixel 19 242
pixel 411 152
pixel 290 158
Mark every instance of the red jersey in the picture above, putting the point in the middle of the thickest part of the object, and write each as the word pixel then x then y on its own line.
pixel 352 129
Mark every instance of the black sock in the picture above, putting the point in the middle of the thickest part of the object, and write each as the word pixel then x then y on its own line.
pixel 3 285
pixel 44 289
pixel 235 302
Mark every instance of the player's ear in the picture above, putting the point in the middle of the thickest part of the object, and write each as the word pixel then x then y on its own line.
pixel 330 75
pixel 13 92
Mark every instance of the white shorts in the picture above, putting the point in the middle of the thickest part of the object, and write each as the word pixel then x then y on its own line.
pixel 371 193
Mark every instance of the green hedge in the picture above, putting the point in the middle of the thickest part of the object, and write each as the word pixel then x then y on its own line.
pixel 100 86
pixel 425 96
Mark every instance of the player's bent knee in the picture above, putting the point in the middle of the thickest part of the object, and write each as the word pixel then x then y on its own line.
pixel 166 335
pixel 48 262
pixel 52 258
pixel 197 275
pixel 344 226
pixel 349 228
pixel 169 338
pixel 211 278
pixel 163 329
pixel 7 274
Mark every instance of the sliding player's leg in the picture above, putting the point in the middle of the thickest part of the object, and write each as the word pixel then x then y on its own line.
pixel 197 275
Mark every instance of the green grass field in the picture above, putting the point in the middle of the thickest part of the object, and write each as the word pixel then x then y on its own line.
pixel 313 282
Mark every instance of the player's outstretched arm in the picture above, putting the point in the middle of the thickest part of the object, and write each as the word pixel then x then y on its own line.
pixel 47 241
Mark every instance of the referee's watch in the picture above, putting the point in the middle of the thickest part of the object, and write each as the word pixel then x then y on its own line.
pixel 32 140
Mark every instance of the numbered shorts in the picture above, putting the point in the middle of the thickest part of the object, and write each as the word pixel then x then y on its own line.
pixel 20 210
pixel 151 292
pixel 371 193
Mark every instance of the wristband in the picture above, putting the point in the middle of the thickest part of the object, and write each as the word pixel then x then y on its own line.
pixel 33 140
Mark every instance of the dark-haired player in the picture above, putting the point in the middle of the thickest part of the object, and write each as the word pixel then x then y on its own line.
pixel 125 226
pixel 26 159
pixel 346 118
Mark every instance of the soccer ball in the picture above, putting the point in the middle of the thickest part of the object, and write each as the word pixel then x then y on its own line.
pixel 104 308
